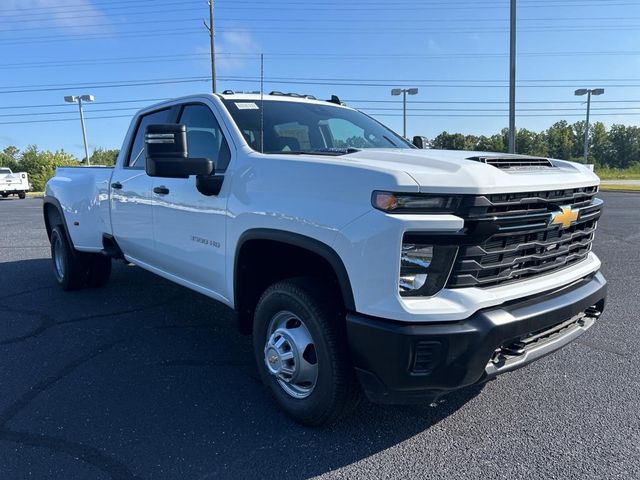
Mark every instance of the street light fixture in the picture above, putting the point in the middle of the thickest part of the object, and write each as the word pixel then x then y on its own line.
pixel 588 92
pixel 79 99
pixel 404 91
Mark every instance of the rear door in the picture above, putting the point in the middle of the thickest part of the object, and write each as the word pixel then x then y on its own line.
pixel 131 209
pixel 189 227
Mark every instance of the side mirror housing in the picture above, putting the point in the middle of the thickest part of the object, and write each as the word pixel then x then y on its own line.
pixel 420 142
pixel 167 154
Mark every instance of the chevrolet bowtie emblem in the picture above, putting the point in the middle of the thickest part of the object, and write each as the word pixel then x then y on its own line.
pixel 564 218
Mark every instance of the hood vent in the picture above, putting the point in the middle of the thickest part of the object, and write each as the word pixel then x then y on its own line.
pixel 515 162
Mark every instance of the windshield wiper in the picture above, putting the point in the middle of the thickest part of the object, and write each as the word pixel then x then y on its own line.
pixel 333 151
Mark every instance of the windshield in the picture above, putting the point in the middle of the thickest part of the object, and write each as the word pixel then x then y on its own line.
pixel 4 170
pixel 300 127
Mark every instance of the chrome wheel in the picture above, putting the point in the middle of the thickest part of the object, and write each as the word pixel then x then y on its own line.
pixel 290 354
pixel 58 258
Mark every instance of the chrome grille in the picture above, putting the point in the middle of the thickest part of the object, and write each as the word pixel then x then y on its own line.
pixel 517 239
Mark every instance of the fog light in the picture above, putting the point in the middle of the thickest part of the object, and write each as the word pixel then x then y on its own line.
pixel 424 268
pixel 414 264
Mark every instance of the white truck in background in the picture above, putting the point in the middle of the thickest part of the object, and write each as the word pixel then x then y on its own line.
pixel 13 183
pixel 358 261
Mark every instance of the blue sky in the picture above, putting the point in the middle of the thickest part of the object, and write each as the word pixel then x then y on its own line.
pixel 455 51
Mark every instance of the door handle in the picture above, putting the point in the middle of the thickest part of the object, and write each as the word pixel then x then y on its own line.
pixel 161 190
pixel 116 185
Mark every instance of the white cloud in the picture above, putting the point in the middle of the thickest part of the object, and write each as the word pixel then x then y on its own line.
pixel 232 43
pixel 69 16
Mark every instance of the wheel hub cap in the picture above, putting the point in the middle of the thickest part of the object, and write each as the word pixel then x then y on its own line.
pixel 58 260
pixel 289 355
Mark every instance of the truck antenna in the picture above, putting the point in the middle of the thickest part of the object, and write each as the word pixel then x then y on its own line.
pixel 262 103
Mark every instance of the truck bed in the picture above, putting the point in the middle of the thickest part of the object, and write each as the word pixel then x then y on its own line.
pixel 83 194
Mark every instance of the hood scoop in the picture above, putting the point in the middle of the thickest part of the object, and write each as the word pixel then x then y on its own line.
pixel 507 162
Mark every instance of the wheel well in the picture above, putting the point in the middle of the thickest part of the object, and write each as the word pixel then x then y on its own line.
pixel 263 262
pixel 52 217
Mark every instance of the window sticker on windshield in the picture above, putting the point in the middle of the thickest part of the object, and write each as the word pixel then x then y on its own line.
pixel 247 106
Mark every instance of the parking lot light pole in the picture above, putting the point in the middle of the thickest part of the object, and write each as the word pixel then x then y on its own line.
pixel 588 92
pixel 404 92
pixel 79 99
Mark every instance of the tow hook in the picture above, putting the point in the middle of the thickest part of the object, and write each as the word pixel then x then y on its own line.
pixel 515 349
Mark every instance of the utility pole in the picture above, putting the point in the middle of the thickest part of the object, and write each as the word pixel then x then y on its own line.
pixel 211 30
pixel 512 79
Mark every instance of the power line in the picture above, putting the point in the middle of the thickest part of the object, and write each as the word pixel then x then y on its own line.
pixel 321 21
pixel 93 25
pixel 275 55
pixel 32 11
pixel 147 101
pixel 446 6
pixel 114 85
pixel 74 6
pixel 64 119
pixel 115 102
pixel 97 36
pixel 146 13
pixel 135 109
pixel 56 9
pixel 285 81
pixel 375 115
pixel 350 31
pixel 369 109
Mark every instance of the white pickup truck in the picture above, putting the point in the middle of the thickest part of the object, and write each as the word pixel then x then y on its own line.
pixel 359 262
pixel 13 183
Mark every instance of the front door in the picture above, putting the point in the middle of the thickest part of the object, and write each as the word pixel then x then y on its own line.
pixel 131 201
pixel 189 227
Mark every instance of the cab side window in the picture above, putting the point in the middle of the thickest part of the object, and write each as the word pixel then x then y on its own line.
pixel 136 152
pixel 204 136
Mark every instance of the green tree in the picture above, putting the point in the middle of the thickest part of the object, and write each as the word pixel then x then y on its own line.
pixel 600 148
pixel 625 146
pixel 449 141
pixel 494 143
pixel 101 156
pixel 9 158
pixel 560 138
pixel 41 165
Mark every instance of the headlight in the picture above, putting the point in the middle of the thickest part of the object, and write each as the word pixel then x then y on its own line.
pixel 414 202
pixel 424 269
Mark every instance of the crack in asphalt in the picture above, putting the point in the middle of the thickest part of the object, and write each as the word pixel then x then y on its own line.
pixel 47 322
pixel 88 454
pixel 204 363
pixel 24 292
pixel 601 348
pixel 25 399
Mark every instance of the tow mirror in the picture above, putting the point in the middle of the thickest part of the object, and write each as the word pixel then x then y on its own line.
pixel 167 154
pixel 420 142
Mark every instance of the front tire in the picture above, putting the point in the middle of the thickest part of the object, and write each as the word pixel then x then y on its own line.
pixel 22 195
pixel 301 351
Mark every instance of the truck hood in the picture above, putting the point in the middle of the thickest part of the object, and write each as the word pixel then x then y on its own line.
pixel 451 171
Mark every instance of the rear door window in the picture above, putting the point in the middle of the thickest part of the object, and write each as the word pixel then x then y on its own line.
pixel 136 152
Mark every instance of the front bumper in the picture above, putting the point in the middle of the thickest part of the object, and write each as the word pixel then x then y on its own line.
pixel 399 362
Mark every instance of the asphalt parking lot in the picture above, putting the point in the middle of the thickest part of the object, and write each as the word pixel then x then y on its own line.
pixel 145 379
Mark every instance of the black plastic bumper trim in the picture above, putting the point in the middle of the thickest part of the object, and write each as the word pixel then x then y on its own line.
pixel 383 351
